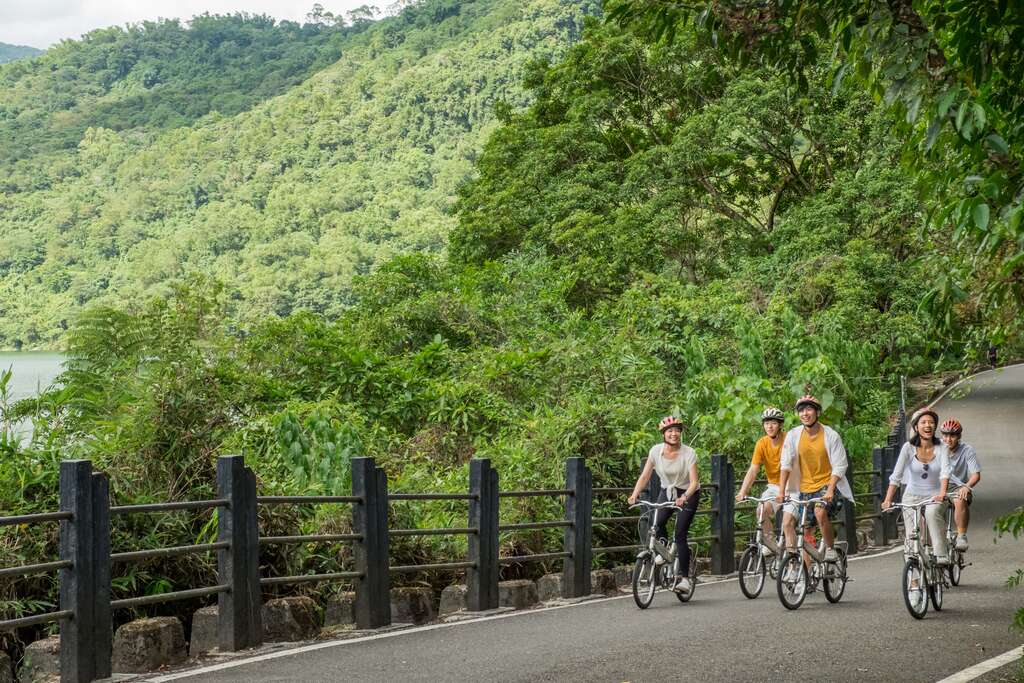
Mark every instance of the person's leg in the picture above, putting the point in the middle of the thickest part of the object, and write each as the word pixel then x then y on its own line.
pixel 961 515
pixel 935 517
pixel 908 526
pixel 683 522
pixel 789 527
pixel 661 516
pixel 827 533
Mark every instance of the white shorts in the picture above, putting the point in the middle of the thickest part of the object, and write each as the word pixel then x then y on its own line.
pixel 768 496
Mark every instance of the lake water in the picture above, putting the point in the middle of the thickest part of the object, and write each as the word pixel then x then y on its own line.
pixel 31 371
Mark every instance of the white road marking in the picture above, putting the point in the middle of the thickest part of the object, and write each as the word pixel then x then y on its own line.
pixel 420 629
pixel 981 668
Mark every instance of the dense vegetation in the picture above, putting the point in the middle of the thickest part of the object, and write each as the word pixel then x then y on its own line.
pixel 661 228
pixel 9 52
pixel 135 157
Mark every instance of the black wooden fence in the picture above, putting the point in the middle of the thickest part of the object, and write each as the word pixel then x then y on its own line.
pixel 85 609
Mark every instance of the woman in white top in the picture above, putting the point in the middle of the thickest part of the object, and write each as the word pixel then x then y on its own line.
pixel 676 465
pixel 924 469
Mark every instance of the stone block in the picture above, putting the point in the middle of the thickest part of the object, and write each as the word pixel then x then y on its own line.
pixel 6 669
pixel 42 660
pixel 340 610
pixel 412 605
pixel 623 575
pixel 148 644
pixel 204 631
pixel 603 581
pixel 287 620
pixel 549 587
pixel 704 565
pixel 519 593
pixel 453 599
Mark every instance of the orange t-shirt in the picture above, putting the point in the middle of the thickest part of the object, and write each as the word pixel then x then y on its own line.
pixel 770 456
pixel 815 467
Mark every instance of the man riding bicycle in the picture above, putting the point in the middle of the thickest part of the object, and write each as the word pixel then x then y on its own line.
pixel 964 475
pixel 767 453
pixel 813 465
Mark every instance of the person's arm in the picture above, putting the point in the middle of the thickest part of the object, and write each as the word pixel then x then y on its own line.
pixel 896 478
pixel 943 487
pixel 837 458
pixel 786 463
pixel 692 488
pixel 889 493
pixel 748 481
pixel 645 476
pixel 973 470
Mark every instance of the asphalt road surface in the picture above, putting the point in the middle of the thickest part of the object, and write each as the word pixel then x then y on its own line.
pixel 720 635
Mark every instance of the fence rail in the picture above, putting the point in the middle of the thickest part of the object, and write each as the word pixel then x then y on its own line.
pixel 85 557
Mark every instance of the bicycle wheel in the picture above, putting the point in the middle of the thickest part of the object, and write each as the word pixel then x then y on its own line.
pixel 915 587
pixel 935 589
pixel 792 581
pixel 956 565
pixel 752 572
pixel 645 581
pixel 835 577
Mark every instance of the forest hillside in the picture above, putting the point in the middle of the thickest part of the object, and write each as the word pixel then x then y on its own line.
pixel 280 159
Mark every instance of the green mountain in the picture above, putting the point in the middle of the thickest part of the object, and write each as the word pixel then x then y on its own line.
pixel 135 157
pixel 9 53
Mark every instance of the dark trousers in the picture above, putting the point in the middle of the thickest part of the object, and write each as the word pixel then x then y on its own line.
pixel 683 522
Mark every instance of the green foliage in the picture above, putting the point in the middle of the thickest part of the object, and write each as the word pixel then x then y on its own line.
pixel 949 74
pixel 283 160
pixel 1013 524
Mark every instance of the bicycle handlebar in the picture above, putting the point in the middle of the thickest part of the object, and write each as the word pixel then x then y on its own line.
pixel 666 504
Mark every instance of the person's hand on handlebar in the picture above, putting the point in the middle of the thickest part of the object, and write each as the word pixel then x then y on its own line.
pixel 632 498
pixel 938 498
pixel 680 501
pixel 780 497
pixel 829 494
pixel 886 504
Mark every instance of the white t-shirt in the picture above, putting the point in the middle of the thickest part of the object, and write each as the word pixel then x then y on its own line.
pixel 963 462
pixel 675 472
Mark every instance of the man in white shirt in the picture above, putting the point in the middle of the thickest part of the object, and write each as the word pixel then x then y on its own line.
pixel 965 473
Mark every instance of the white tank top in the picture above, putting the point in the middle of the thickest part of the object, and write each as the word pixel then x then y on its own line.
pixel 675 472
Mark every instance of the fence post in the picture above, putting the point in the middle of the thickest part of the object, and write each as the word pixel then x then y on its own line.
pixel 370 520
pixel 77 582
pixel 101 567
pixel 579 535
pixel 849 528
pixel 889 463
pixel 239 618
pixel 878 486
pixel 482 578
pixel 723 547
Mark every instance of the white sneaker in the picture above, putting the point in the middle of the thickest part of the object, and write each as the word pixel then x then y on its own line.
pixel 659 560
pixel 961 542
pixel 831 555
pixel 682 585
pixel 941 560
pixel 767 552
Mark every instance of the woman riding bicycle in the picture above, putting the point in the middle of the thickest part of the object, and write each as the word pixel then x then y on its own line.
pixel 924 470
pixel 676 466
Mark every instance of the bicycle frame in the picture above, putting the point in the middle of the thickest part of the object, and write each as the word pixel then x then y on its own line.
pixel 655 546
pixel 815 553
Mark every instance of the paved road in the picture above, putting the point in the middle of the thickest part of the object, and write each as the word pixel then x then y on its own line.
pixel 720 635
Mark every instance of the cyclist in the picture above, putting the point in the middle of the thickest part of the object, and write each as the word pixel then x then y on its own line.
pixel 767 453
pixel 925 473
pixel 965 473
pixel 676 465
pixel 813 465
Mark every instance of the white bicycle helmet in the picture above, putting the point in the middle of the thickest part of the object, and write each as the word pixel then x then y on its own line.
pixel 773 414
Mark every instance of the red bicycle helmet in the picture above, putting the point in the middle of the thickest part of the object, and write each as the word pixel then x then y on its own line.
pixel 952 426
pixel 669 421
